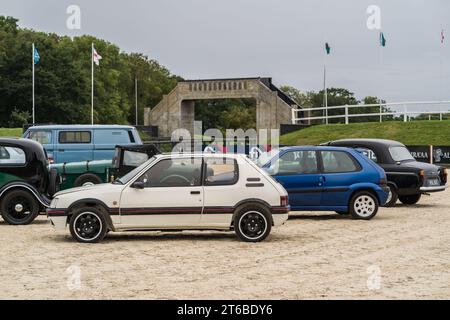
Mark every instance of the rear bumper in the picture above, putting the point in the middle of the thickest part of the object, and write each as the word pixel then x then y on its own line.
pixel 383 194
pixel 434 189
pixel 280 218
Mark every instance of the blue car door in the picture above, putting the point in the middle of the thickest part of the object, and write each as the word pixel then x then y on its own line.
pixel 298 172
pixel 340 171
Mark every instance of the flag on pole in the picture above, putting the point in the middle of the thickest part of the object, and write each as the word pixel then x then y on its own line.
pixel 36 56
pixel 327 48
pixel 442 36
pixel 96 57
pixel 382 40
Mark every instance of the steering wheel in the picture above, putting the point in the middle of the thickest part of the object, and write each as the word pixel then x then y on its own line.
pixel 175 176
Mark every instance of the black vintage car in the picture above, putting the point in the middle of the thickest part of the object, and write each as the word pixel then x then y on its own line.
pixel 407 178
pixel 26 184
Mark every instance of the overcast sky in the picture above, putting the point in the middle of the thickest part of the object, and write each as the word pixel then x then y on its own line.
pixel 282 39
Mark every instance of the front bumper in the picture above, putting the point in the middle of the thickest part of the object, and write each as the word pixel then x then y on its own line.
pixel 434 188
pixel 58 218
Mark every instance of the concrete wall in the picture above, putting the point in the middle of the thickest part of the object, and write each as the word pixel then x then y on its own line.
pixel 177 109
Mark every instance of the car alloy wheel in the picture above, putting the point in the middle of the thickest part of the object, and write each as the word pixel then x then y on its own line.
pixel 253 225
pixel 88 226
pixel 364 206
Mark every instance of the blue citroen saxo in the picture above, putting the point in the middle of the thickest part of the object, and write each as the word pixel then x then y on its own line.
pixel 328 179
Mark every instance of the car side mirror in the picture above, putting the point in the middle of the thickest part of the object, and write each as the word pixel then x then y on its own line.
pixel 138 185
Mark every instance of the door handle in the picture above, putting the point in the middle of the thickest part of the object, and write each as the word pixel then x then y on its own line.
pixel 195 192
pixel 321 180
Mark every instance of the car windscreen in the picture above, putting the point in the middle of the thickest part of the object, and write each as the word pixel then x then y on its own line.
pixel 266 156
pixel 400 153
pixel 130 175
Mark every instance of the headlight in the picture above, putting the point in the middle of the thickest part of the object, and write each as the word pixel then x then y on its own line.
pixel 54 203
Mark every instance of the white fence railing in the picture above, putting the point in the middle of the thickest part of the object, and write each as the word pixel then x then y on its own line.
pixel 405 110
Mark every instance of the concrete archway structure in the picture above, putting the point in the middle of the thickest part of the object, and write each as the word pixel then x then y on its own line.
pixel 177 109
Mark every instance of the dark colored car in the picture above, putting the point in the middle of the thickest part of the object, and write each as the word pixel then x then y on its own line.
pixel 89 173
pixel 26 184
pixel 407 178
pixel 328 179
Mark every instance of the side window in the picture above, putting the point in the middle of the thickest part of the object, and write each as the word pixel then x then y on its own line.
pixel 174 173
pixel 369 154
pixel 43 137
pixel 12 156
pixel 75 137
pixel 111 136
pixel 338 162
pixel 296 162
pixel 221 171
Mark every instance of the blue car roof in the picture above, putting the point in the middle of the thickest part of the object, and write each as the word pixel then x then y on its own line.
pixel 80 126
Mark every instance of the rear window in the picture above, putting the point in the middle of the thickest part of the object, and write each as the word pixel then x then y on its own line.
pixel 11 156
pixel 400 154
pixel 75 137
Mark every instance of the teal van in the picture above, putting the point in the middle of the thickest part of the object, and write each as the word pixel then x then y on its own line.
pixel 75 143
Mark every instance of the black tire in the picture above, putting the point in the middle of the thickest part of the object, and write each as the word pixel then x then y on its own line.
pixel 411 199
pixel 87 179
pixel 19 207
pixel 252 222
pixel 342 213
pixel 363 205
pixel 393 196
pixel 88 225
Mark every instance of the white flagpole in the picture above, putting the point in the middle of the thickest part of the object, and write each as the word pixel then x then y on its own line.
pixel 325 91
pixel 92 84
pixel 136 97
pixel 32 64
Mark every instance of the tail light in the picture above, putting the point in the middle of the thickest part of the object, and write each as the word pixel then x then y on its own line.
pixel 284 201
pixel 421 176
pixel 50 160
pixel 383 181
pixel 444 175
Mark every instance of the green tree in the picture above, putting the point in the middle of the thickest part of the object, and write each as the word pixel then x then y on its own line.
pixel 63 78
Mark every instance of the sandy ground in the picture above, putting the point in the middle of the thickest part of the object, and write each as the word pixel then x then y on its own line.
pixel 403 253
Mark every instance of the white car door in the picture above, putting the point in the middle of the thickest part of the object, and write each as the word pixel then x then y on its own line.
pixel 168 195
pixel 221 192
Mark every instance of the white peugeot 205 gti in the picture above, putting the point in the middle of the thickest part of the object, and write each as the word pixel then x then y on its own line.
pixel 177 192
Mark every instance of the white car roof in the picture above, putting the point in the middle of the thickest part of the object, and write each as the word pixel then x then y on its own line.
pixel 201 155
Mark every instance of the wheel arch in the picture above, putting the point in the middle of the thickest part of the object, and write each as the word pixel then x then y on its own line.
pixel 89 202
pixel 249 201
pixel 360 189
pixel 29 188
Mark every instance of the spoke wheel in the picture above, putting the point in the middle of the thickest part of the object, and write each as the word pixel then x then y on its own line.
pixel 363 205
